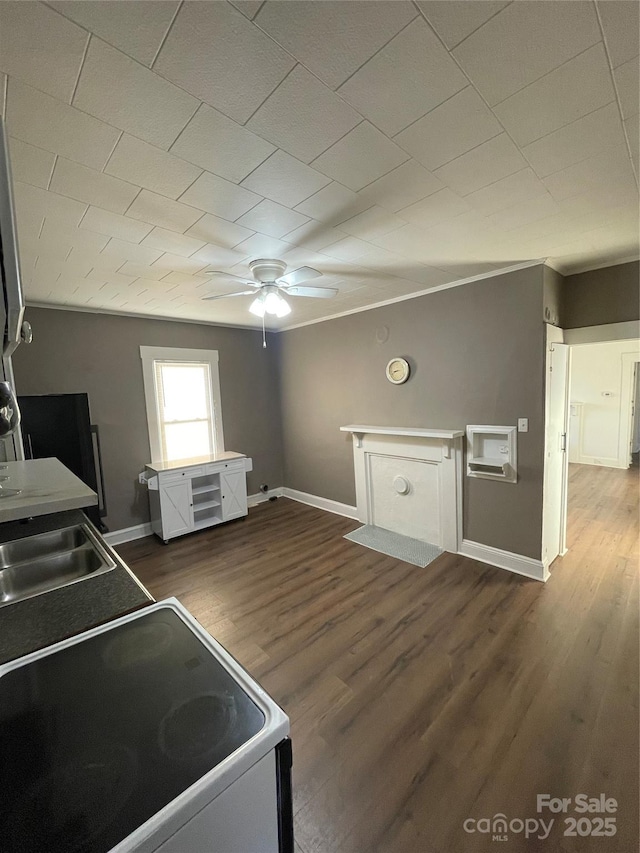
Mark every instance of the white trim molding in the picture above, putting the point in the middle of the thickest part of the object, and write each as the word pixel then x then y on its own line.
pixel 321 503
pixel 263 497
pixel 128 534
pixel 517 563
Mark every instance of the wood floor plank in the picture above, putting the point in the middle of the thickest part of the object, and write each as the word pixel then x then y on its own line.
pixel 423 697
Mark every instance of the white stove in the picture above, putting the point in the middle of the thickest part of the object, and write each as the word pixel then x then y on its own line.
pixel 142 735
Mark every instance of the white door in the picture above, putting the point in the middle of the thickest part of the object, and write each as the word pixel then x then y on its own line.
pixel 175 508
pixel 555 464
pixel 233 486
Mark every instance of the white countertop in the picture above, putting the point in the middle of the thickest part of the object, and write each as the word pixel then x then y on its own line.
pixel 46 486
pixel 362 429
pixel 196 460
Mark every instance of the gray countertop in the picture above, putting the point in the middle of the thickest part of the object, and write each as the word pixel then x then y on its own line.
pixel 52 616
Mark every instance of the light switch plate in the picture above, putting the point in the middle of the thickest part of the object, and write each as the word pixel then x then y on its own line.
pixel 523 424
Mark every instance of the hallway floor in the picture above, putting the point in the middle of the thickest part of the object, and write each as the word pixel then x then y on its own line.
pixel 421 698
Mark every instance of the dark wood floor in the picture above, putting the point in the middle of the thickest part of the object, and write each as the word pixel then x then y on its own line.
pixel 423 697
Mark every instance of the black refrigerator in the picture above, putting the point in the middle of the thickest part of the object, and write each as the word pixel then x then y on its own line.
pixel 60 425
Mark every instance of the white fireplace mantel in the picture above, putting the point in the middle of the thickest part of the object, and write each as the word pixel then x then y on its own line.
pixel 409 480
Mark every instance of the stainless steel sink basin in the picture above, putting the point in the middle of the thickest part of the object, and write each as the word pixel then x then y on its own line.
pixel 49 561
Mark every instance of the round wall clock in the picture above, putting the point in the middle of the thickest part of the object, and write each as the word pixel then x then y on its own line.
pixel 398 370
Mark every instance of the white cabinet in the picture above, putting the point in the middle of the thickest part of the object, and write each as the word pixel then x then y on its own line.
pixel 233 485
pixel 197 496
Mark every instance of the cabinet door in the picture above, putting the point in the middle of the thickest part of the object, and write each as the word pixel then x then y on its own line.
pixel 175 508
pixel 233 486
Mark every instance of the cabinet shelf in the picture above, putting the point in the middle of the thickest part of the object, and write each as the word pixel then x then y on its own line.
pixel 208 521
pixel 205 505
pixel 201 490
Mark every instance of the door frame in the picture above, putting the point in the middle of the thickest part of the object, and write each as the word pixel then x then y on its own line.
pixel 555 335
pixel 629 361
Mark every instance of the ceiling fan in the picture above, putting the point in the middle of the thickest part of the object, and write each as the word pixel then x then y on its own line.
pixel 271 285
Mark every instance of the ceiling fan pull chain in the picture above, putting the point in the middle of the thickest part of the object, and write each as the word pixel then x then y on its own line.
pixel 264 337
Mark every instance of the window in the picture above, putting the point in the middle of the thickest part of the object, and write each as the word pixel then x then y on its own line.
pixel 182 391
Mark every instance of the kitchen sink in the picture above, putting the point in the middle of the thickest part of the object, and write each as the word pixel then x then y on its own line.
pixel 51 560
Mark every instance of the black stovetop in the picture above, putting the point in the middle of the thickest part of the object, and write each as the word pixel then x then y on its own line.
pixel 98 737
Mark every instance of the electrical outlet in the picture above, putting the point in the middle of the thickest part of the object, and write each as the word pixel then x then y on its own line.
pixel 523 424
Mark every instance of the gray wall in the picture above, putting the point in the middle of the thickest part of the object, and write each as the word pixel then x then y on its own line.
pixel 99 354
pixel 476 353
pixel 596 297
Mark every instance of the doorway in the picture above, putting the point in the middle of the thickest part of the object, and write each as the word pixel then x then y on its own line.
pixel 592 425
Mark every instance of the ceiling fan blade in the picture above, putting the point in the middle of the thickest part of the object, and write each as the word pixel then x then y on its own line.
pixel 224 295
pixel 315 292
pixel 299 275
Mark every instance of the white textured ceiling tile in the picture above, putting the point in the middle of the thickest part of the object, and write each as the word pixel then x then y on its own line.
pixel 578 87
pixel 627 79
pixel 178 263
pixel 220 197
pixel 303 116
pixel 405 185
pixel 407 78
pixel 87 242
pixel 524 41
pixel 332 204
pixel 481 166
pixel 213 229
pixel 348 249
pixel 136 100
pixel 249 8
pixel 601 198
pixel 68 211
pixel 372 223
pixel 272 219
pixel 142 271
pixel 360 157
pixel 604 167
pixel 40 47
pixel 221 145
pixel 212 255
pixel 284 179
pixel 450 130
pixel 115 278
pixel 135 28
pixel 118 251
pixel 577 141
pixel 260 246
pixel 441 205
pixel 314 237
pixel 525 212
pixel 215 53
pixel 621 25
pixel 519 187
pixel 150 167
pixel 114 225
pixel 633 135
pixel 169 241
pixel 48 123
pixel 88 185
pixel 188 283
pixel 454 20
pixel 29 164
pixel 333 39
pixel 164 212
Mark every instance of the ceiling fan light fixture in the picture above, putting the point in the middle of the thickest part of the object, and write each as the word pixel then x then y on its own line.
pixel 257 307
pixel 283 308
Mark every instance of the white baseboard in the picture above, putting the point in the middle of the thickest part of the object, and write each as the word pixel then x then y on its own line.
pixel 526 566
pixel 128 534
pixel 321 503
pixel 262 497
pixel 600 462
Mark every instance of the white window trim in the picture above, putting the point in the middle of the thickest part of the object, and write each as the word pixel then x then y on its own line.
pixel 151 354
